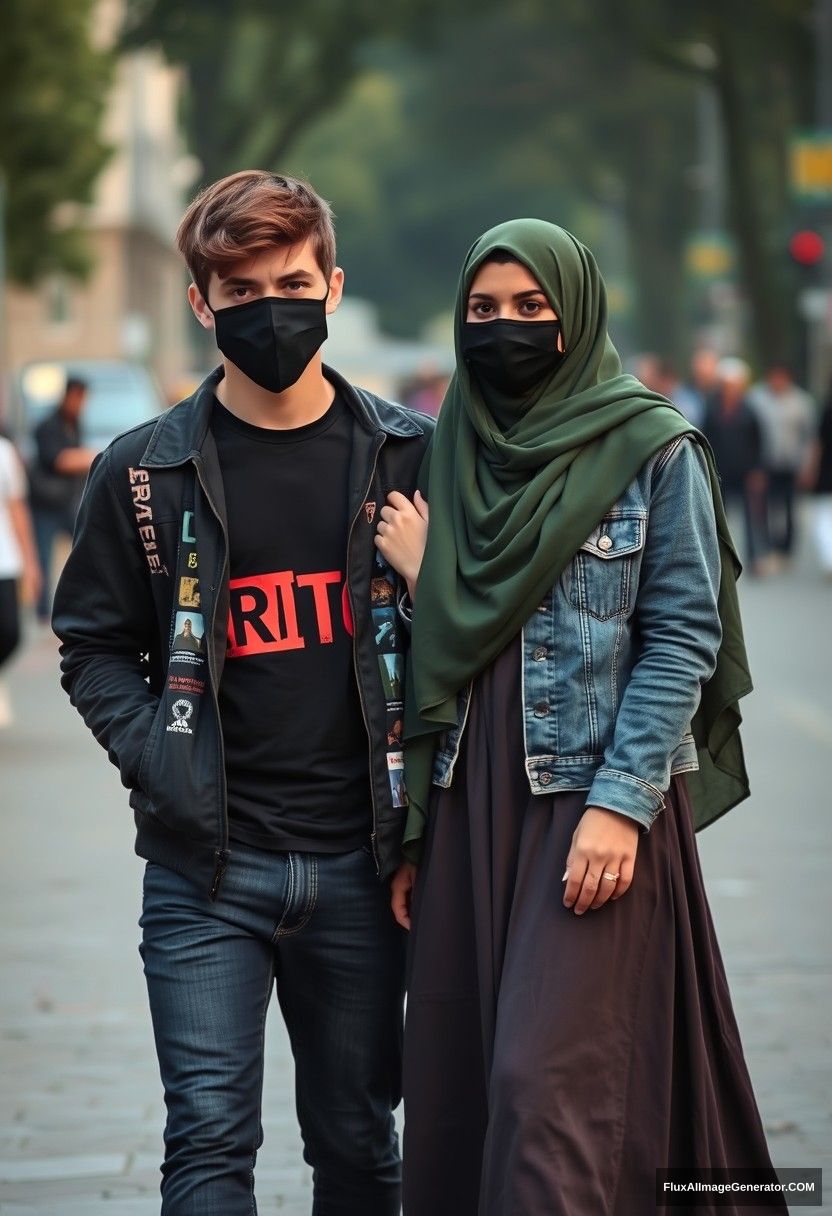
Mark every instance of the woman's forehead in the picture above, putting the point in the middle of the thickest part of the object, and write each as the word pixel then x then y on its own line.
pixel 504 279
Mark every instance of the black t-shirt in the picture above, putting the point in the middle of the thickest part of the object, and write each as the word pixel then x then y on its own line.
pixel 736 440
pixel 296 748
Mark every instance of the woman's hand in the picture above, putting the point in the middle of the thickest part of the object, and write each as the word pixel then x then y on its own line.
pixel 401 889
pixel 604 842
pixel 401 535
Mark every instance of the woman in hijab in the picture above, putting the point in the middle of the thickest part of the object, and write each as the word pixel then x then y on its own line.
pixel 571 718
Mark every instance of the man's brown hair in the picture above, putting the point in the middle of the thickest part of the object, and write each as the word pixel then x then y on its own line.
pixel 247 213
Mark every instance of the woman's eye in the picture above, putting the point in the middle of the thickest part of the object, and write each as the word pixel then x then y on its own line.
pixel 482 309
pixel 530 308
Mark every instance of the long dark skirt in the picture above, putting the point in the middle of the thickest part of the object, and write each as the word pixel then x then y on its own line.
pixel 554 1061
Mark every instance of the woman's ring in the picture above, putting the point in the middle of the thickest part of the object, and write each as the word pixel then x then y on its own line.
pixel 611 877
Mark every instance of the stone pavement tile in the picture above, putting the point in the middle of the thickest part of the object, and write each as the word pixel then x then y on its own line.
pixel 56 1190
pixel 90 1206
pixel 35 1169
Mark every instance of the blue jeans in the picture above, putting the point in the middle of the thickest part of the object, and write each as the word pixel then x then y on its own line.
pixel 48 524
pixel 320 927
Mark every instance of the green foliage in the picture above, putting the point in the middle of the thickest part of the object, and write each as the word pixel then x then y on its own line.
pixel 513 114
pixel 426 123
pixel 53 86
pixel 261 72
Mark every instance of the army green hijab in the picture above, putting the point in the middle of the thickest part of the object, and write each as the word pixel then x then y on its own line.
pixel 513 496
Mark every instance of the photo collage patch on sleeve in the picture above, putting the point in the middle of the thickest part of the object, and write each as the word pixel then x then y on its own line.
pixel 188 644
pixel 389 647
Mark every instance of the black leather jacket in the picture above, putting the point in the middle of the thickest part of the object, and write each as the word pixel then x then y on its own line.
pixel 152 490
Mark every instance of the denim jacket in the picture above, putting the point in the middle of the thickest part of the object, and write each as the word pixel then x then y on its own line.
pixel 615 655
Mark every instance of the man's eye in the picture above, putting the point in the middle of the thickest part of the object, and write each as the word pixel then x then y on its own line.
pixel 239 292
pixel 297 285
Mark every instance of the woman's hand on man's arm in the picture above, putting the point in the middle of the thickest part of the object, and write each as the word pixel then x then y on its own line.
pixel 401 535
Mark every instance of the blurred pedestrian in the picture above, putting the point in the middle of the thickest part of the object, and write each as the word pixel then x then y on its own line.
pixel 57 476
pixel 787 418
pixel 425 391
pixel 735 434
pixel 647 367
pixel 572 642
pixel 19 569
pixel 691 397
pixel 819 479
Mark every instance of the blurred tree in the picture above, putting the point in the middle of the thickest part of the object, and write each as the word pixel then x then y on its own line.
pixel 53 87
pixel 264 71
pixel 512 114
pixel 759 70
pixel 428 123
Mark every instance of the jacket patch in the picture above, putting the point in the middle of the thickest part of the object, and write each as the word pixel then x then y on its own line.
pixel 382 592
pixel 389 646
pixel 182 711
pixel 188 591
pixel 370 510
pixel 140 492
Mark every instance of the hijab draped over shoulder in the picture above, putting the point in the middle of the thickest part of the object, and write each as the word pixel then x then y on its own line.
pixel 515 488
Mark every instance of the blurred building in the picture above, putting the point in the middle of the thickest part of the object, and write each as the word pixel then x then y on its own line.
pixel 366 356
pixel 133 304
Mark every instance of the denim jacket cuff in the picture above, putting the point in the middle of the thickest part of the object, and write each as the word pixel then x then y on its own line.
pixel 629 795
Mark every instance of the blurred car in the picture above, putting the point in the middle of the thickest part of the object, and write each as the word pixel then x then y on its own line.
pixel 121 395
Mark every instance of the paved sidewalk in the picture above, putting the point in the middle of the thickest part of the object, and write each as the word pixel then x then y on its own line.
pixel 81 1106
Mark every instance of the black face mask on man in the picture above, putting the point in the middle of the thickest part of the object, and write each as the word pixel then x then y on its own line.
pixel 511 356
pixel 271 340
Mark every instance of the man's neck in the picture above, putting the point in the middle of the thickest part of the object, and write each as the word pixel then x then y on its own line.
pixel 305 401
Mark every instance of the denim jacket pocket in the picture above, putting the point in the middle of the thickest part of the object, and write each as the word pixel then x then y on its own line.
pixel 601 574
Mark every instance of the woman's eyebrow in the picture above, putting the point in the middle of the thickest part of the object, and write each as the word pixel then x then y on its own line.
pixel 518 295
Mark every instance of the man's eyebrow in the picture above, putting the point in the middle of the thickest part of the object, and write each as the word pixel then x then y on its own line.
pixel 295 274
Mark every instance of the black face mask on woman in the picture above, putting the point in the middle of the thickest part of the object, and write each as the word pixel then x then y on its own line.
pixel 271 340
pixel 511 356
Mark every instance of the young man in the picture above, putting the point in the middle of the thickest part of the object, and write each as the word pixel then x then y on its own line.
pixel 265 788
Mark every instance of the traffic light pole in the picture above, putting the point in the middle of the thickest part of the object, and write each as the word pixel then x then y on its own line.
pixel 819 325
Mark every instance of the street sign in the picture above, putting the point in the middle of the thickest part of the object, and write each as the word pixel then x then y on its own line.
pixel 709 255
pixel 810 165
pixel 815 304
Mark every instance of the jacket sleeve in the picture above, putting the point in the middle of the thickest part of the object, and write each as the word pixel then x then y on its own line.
pixel 679 628
pixel 105 620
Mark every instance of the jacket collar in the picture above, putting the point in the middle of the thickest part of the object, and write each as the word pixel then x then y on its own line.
pixel 180 432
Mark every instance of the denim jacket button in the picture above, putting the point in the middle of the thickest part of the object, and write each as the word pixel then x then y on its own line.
pixel 605 543
pixel 541 709
pixel 545 777
pixel 539 653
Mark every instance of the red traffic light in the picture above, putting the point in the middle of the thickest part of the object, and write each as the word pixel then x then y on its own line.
pixel 807 247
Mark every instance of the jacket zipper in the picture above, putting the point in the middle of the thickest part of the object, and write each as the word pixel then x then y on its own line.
pixel 373 834
pixel 220 854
